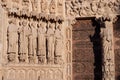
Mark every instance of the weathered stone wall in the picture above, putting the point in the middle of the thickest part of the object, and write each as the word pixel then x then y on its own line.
pixel 36 37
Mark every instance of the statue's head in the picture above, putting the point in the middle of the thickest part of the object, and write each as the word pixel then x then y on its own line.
pixel 24 23
pixel 12 21
pixel 33 24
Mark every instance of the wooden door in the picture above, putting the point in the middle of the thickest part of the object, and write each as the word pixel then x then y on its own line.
pixel 117 48
pixel 86 50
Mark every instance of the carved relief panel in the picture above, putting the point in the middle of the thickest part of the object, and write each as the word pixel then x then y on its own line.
pixel 97 8
pixel 36 41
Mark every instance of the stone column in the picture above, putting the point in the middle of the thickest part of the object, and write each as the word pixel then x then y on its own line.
pixel 108 65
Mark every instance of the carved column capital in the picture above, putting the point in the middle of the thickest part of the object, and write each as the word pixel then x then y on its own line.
pixel 104 18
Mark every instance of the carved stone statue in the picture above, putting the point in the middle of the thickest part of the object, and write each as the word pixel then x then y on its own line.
pixel 60 6
pixel 101 9
pixel 108 57
pixel 69 10
pixel 58 44
pixel 42 42
pixel 12 40
pixel 34 5
pixel 23 41
pixel 52 7
pixel 32 42
pixel 94 6
pixel 50 43
pixel 44 6
pixel 76 7
pixel 85 8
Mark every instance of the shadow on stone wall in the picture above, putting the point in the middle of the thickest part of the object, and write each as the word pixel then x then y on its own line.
pixel 96 40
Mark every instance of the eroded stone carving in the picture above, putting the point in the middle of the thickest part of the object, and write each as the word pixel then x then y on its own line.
pixel 69 9
pixel 32 41
pixel 42 42
pixel 52 8
pixel 44 6
pixel 23 41
pixel 34 5
pixel 58 44
pixel 51 42
pixel 38 41
pixel 108 55
pixel 91 8
pixel 12 40
pixel 60 6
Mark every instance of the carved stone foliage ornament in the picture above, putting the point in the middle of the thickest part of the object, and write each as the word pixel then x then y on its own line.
pixel 91 8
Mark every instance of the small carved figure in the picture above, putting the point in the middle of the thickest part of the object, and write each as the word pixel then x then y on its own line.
pixel 12 40
pixel 69 10
pixel 52 7
pixel 58 44
pixel 11 57
pixel 60 6
pixel 34 5
pixel 50 43
pixel 42 42
pixel 76 7
pixel 85 9
pixel 44 6
pixel 101 9
pixel 41 59
pixel 94 6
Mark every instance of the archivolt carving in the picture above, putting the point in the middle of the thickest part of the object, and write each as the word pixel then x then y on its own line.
pixel 86 8
pixel 52 7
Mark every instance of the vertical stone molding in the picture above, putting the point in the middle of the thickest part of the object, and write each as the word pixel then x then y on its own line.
pixel 108 57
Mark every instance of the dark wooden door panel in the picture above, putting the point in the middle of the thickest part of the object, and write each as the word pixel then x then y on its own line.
pixel 84 39
pixel 117 48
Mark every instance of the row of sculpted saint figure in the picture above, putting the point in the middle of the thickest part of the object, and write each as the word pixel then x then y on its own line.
pixel 35 42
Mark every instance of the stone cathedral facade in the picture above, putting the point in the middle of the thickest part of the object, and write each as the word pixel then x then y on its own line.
pixel 59 39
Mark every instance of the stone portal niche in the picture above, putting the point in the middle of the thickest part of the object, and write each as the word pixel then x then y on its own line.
pixel 86 50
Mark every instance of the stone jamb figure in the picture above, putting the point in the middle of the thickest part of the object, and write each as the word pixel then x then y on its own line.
pixel 23 41
pixel 32 42
pixel 58 44
pixel 12 40
pixel 50 43
pixel 107 54
pixel 42 42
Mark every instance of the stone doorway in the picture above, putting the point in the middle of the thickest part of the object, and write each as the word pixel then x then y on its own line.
pixel 86 45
